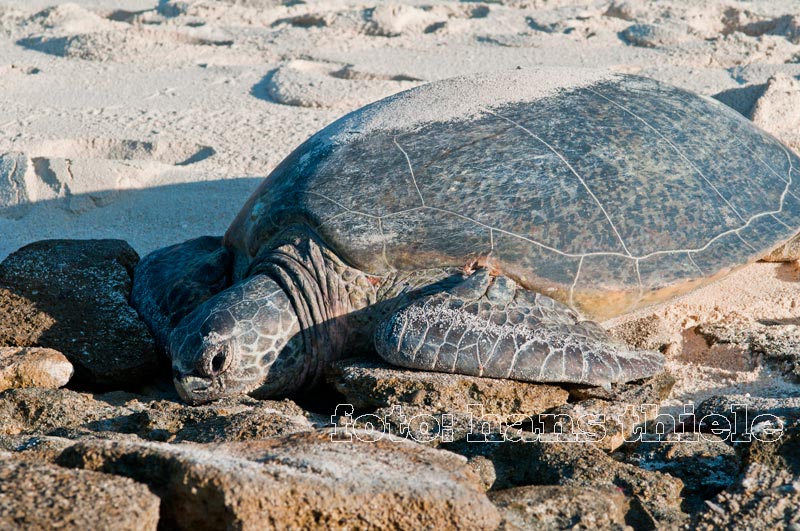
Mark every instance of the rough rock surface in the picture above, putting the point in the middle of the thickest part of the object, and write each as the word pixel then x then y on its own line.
pixel 605 424
pixel 705 463
pixel 370 384
pixel 780 454
pixel 608 418
pixel 655 497
pixel 302 481
pixel 763 500
pixel 66 413
pixel 42 496
pixel 72 296
pixel 767 430
pixel 742 410
pixel 544 508
pixel 649 391
pixel 33 367
pixel 434 414
pixel 786 253
pixel 776 341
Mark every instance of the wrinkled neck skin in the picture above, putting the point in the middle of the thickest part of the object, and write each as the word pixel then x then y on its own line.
pixel 337 306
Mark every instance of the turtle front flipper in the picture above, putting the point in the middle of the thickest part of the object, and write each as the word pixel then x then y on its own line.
pixel 171 282
pixel 491 327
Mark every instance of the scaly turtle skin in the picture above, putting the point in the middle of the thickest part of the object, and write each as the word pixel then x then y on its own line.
pixel 467 226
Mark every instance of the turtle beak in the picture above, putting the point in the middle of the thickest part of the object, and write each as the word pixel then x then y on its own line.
pixel 194 389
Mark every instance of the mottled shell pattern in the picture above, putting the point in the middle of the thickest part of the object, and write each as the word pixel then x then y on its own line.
pixel 605 191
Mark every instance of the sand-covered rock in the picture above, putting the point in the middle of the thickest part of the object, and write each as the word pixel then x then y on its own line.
pixel 308 84
pixel 543 508
pixel 260 422
pixel 786 253
pixel 33 367
pixel 303 481
pixel 72 296
pixel 42 496
pixel 652 35
pixel 777 342
pixel 777 111
pixel 373 383
pixel 38 411
pixel 13 185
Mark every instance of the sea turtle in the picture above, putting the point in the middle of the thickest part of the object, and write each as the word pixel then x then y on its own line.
pixel 469 226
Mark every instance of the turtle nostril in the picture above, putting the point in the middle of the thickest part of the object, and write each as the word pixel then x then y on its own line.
pixel 218 363
pixel 215 361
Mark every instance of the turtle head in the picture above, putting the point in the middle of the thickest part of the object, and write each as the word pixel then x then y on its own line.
pixel 244 340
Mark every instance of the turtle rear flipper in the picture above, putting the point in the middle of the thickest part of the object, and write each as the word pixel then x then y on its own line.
pixel 493 328
pixel 171 282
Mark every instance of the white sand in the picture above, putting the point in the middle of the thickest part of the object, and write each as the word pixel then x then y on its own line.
pixel 152 120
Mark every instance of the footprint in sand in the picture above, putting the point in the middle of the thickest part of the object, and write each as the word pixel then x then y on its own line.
pixel 71 31
pixel 393 20
pixel 389 19
pixel 86 173
pixel 19 70
pixel 755 25
pixel 314 84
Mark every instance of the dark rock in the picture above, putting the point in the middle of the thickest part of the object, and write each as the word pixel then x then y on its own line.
pixel 780 450
pixel 43 496
pixel 764 499
pixel 609 418
pixel 780 345
pixel 374 384
pixel 544 508
pixel 419 424
pixel 34 448
pixel 254 424
pixel 704 462
pixel 742 410
pixel 72 296
pixel 606 425
pixel 302 481
pixel 66 413
pixel 652 390
pixel 655 497
pixel 763 430
pixel 33 367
